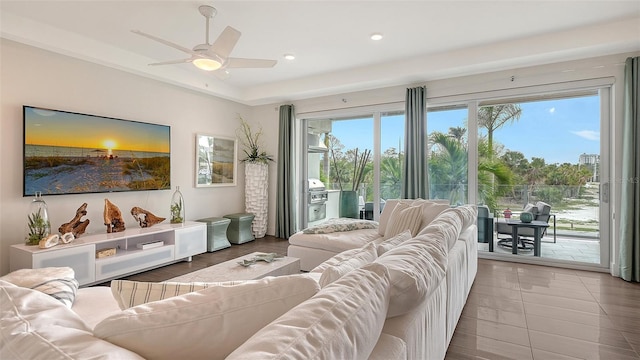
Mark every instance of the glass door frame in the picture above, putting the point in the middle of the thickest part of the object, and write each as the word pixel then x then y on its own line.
pixel 474 100
pixel 375 112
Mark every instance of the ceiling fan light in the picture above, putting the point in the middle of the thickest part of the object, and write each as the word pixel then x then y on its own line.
pixel 207 64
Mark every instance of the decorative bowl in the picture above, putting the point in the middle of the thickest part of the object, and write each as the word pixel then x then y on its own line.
pixel 526 217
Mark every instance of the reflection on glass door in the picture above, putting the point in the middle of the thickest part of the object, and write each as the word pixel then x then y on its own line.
pixel 357 153
pixel 448 154
pixel 338 160
pixel 542 156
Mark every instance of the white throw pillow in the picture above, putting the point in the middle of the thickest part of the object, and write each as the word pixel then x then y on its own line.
pixel 206 324
pixel 347 262
pixel 389 205
pixel 343 321
pixel 131 293
pixel 430 211
pixel 391 243
pixel 404 217
pixel 57 282
pixel 36 326
pixel 363 252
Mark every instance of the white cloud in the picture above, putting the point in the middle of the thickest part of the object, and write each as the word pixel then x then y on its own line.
pixel 552 110
pixel 588 134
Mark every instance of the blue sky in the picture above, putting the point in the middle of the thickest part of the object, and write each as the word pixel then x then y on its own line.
pixel 556 130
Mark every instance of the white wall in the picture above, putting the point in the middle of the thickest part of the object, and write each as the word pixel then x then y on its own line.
pixel 30 76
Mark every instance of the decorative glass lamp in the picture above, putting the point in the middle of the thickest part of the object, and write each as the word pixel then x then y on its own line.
pixel 177 207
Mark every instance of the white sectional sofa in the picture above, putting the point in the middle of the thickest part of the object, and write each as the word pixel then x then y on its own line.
pixel 394 299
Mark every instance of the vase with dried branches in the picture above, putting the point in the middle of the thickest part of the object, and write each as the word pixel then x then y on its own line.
pixel 349 198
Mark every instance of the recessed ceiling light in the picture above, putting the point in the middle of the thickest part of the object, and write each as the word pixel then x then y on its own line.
pixel 289 56
pixel 376 36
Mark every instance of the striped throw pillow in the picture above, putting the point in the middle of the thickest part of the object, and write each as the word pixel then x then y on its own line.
pixel 404 217
pixel 131 293
pixel 57 282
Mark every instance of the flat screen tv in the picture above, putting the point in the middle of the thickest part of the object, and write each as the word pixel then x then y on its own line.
pixel 71 153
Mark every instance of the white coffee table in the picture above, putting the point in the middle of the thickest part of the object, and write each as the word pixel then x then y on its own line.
pixel 231 270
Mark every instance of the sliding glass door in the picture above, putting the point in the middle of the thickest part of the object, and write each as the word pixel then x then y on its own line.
pixel 360 153
pixel 546 156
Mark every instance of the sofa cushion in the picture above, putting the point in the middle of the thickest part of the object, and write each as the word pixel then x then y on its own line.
pixel 36 326
pixel 430 211
pixel 209 323
pixel 131 293
pixel 403 217
pixel 386 245
pixel 342 321
pixel 57 282
pixel 446 226
pixel 468 214
pixel 389 206
pixel 416 268
pixel 342 263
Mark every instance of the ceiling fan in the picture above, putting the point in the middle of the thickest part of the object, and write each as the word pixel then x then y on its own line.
pixel 211 57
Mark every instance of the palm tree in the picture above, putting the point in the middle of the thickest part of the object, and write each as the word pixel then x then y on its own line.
pixel 390 174
pixel 448 167
pixel 457 133
pixel 494 117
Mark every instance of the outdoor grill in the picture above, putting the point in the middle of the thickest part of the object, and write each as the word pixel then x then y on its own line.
pixel 317 199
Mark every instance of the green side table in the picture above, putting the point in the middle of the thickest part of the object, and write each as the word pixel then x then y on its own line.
pixel 239 230
pixel 216 233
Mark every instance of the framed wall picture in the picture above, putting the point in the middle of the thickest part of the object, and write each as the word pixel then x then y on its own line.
pixel 216 160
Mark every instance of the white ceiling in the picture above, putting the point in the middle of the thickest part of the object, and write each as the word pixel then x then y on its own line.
pixel 423 40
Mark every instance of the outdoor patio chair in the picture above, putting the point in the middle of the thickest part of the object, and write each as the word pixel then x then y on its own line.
pixel 541 212
pixel 485 226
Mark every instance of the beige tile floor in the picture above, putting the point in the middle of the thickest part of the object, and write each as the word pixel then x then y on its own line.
pixel 521 311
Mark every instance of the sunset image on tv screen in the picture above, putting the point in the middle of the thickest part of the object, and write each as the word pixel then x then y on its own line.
pixel 70 153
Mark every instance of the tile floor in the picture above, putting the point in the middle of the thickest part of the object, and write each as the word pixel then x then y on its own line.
pixel 521 311
pixel 572 248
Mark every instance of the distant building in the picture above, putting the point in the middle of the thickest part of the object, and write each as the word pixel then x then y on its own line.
pixel 592 162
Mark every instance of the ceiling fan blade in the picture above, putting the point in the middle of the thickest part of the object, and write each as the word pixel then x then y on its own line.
pixel 250 63
pixel 168 43
pixel 171 62
pixel 222 74
pixel 225 43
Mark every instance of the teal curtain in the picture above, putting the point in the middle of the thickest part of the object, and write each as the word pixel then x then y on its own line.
pixel 630 205
pixel 415 183
pixel 285 205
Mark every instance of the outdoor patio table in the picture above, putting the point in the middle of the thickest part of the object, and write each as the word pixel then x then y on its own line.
pixel 535 225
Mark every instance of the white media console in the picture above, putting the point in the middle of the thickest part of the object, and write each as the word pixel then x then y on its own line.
pixel 180 242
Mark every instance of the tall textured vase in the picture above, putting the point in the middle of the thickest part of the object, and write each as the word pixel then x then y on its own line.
pixel 256 185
